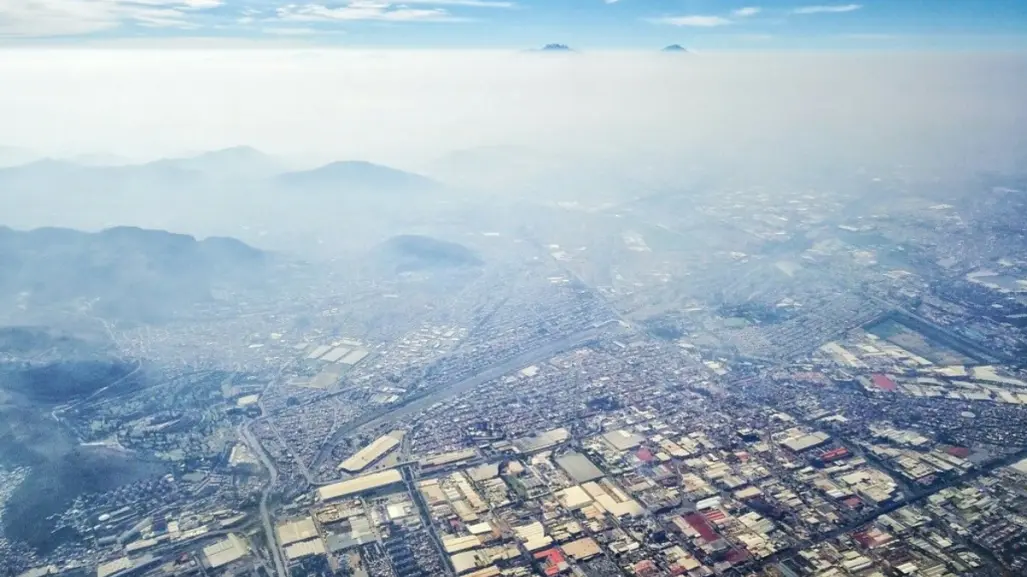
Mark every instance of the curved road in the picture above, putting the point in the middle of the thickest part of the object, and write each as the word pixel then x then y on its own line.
pixel 265 514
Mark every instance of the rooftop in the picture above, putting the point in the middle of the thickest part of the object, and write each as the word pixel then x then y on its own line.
pixel 358 485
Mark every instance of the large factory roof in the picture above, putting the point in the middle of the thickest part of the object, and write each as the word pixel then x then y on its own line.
pixel 369 454
pixel 448 458
pixel 299 530
pixel 542 441
pixel 358 485
pixel 305 549
pixel 579 467
pixel 225 551
pixel 622 440
pixel 800 442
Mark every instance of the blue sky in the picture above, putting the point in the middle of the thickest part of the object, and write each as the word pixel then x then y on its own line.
pixel 583 24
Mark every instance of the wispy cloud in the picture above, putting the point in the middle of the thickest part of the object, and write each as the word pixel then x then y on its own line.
pixel 51 18
pixel 357 10
pixel 746 11
pixel 708 20
pixel 465 3
pixel 827 9
pixel 288 31
pixel 55 18
pixel 384 10
pixel 694 21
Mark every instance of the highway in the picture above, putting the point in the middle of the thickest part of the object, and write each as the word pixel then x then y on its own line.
pixel 265 514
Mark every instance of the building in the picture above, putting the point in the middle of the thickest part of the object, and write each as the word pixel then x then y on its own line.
pixel 444 459
pixel 542 441
pixel 622 440
pixel 379 481
pixel 798 441
pixel 578 467
pixel 304 549
pixel 371 453
pixel 226 551
pixel 582 549
pixel 293 531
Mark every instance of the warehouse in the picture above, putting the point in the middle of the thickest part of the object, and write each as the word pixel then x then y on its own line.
pixel 542 441
pixel 298 530
pixel 371 453
pixel 799 442
pixel 230 549
pixel 582 549
pixel 449 458
pixel 360 485
pixel 622 440
pixel 304 549
pixel 578 467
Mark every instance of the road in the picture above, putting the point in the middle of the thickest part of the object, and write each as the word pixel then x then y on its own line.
pixel 419 402
pixel 265 514
pixel 423 512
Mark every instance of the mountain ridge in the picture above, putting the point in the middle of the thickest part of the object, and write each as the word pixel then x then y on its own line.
pixel 357 175
pixel 127 273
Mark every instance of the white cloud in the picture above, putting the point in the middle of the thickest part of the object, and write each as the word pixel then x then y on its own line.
pixel 828 9
pixel 203 4
pixel 164 18
pixel 182 4
pixel 289 31
pixel 363 10
pixel 746 11
pixel 696 21
pixel 49 18
pixel 467 3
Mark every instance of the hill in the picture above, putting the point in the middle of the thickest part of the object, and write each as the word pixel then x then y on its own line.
pixel 411 253
pixel 356 177
pixel 237 192
pixel 40 369
pixel 236 162
pixel 36 342
pixel 125 273
pixel 556 48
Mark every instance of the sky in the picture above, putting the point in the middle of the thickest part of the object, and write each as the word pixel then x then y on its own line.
pixel 582 24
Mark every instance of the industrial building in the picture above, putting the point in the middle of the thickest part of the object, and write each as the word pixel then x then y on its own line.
pixel 449 458
pixel 371 453
pixel 360 485
pixel 578 467
pixel 228 550
pixel 582 549
pixel 298 530
pixel 622 440
pixel 305 549
pixel 542 441
pixel 798 441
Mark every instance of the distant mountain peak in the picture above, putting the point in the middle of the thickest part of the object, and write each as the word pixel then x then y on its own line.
pixel 358 175
pixel 675 48
pixel 556 48
pixel 241 151
pixel 234 161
